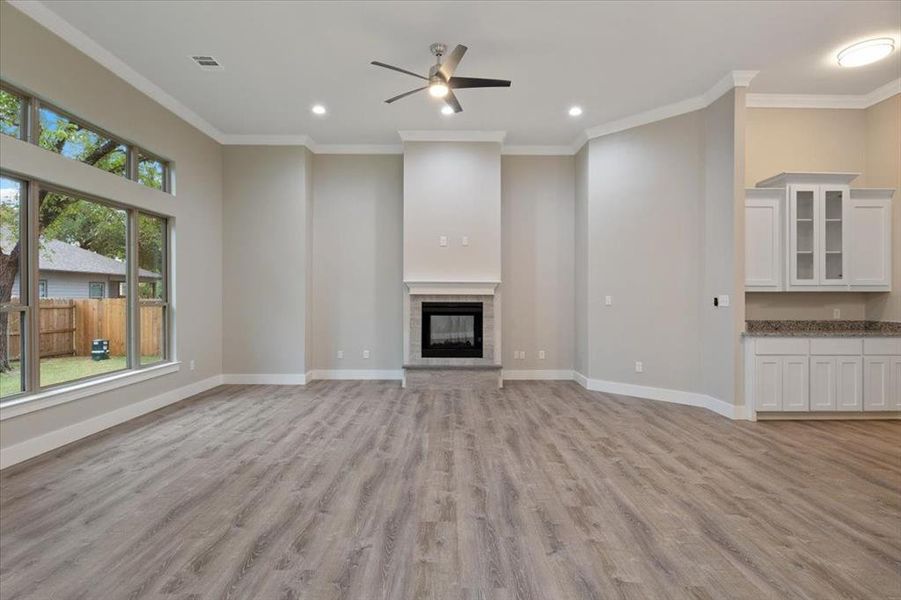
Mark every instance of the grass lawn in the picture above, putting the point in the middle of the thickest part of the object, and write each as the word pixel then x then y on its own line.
pixel 67 368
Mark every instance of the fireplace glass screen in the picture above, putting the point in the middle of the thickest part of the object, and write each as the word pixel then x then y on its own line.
pixel 452 329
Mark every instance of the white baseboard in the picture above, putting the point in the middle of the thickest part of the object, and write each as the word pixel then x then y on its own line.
pixel 537 374
pixel 379 374
pixel 265 378
pixel 663 395
pixel 56 439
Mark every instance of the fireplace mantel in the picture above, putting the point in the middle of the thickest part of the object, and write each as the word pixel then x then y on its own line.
pixel 452 288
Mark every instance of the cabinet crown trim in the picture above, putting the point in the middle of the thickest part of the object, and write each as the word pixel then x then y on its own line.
pixel 787 177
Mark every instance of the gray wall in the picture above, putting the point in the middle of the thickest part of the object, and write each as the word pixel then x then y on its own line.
pixel 38 61
pixel 538 211
pixel 645 223
pixel 452 189
pixel 265 240
pixel 357 261
pixel 581 239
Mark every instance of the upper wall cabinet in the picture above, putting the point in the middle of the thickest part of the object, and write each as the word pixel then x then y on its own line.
pixel 812 232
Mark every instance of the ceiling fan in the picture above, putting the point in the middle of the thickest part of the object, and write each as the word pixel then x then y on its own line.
pixel 442 82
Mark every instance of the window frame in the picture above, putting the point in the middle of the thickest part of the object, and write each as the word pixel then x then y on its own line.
pixel 43 288
pixel 29 289
pixel 91 285
pixel 30 132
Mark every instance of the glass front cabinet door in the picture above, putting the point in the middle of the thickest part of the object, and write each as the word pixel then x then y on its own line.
pixel 817 217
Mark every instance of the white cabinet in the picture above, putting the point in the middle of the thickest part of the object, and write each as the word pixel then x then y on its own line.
pixel 812 232
pixel 763 239
pixel 824 374
pixel 870 236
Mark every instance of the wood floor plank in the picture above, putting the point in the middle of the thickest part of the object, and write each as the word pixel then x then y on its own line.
pixel 363 490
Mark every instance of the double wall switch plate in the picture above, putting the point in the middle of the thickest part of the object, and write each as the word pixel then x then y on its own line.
pixel 608 300
pixel 365 353
pixel 442 241
pixel 639 366
pixel 723 300
pixel 340 354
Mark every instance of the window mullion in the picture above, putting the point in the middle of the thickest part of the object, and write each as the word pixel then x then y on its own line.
pixel 29 284
pixel 133 318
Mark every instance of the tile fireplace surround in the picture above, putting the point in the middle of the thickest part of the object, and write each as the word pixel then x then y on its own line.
pixel 466 369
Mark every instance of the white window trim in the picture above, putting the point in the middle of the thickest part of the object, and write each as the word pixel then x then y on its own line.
pixel 54 397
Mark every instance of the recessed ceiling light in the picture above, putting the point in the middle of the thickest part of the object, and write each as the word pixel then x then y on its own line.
pixel 575 111
pixel 867 52
pixel 318 109
pixel 447 110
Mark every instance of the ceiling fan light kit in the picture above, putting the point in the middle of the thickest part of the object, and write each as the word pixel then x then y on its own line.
pixel 441 80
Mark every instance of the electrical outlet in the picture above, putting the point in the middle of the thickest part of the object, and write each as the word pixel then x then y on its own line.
pixel 608 300
pixel 442 241
pixel 542 355
pixel 340 354
pixel 836 313
pixel 191 365
pixel 465 240
pixel 365 353
pixel 639 367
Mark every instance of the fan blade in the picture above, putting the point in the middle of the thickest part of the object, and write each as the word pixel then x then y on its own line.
pixel 457 83
pixel 452 101
pixel 453 59
pixel 405 94
pixel 398 69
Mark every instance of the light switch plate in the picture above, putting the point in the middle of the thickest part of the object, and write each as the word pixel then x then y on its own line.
pixel 442 241
pixel 724 300
pixel 639 367
pixel 608 300
pixel 836 313
pixel 465 240
pixel 365 353
pixel 340 354
pixel 542 355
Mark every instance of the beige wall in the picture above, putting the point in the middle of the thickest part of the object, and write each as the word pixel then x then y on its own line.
pixel 452 189
pixel 38 61
pixel 862 141
pixel 357 261
pixel 265 237
pixel 538 209
pixel 883 142
pixel 581 275
pixel 645 226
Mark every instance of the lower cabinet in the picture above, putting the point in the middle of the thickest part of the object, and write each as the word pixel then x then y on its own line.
pixel 823 374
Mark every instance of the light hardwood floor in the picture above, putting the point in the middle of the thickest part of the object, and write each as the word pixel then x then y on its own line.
pixel 541 490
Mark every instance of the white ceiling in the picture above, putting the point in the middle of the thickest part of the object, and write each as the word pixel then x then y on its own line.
pixel 614 59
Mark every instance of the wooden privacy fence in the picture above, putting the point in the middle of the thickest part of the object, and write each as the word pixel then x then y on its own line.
pixel 68 326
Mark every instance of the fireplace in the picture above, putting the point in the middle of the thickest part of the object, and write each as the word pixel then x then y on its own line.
pixel 452 329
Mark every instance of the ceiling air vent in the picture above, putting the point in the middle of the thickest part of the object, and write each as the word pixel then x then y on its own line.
pixel 207 63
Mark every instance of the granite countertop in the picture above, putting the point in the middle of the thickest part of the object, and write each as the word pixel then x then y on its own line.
pixel 823 329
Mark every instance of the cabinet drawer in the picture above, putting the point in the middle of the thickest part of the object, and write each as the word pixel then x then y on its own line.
pixel 835 346
pixel 882 346
pixel 764 346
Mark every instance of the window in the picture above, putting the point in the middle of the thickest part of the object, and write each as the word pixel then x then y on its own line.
pixel 64 135
pixel 94 252
pixel 12 113
pixel 13 307
pixel 60 132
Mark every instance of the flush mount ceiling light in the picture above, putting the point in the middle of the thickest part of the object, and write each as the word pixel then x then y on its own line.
pixel 447 110
pixel 864 53
pixel 438 89
pixel 318 109
pixel 575 111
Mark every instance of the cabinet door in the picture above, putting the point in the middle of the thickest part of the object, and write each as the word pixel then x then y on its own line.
pixel 795 379
pixel 848 385
pixel 870 249
pixel 877 383
pixel 804 269
pixel 895 398
pixel 763 247
pixel 768 383
pixel 822 383
pixel 832 219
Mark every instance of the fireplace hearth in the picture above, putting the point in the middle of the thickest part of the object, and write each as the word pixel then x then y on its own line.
pixel 452 330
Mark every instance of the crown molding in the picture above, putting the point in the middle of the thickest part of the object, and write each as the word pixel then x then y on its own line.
pixel 357 149
pixel 62 28
pixel 731 80
pixel 449 135
pixel 847 101
pixel 267 140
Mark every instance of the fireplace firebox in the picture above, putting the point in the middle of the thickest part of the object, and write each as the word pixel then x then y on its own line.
pixel 452 329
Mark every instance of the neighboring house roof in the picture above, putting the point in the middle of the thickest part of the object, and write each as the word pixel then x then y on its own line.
pixel 57 255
